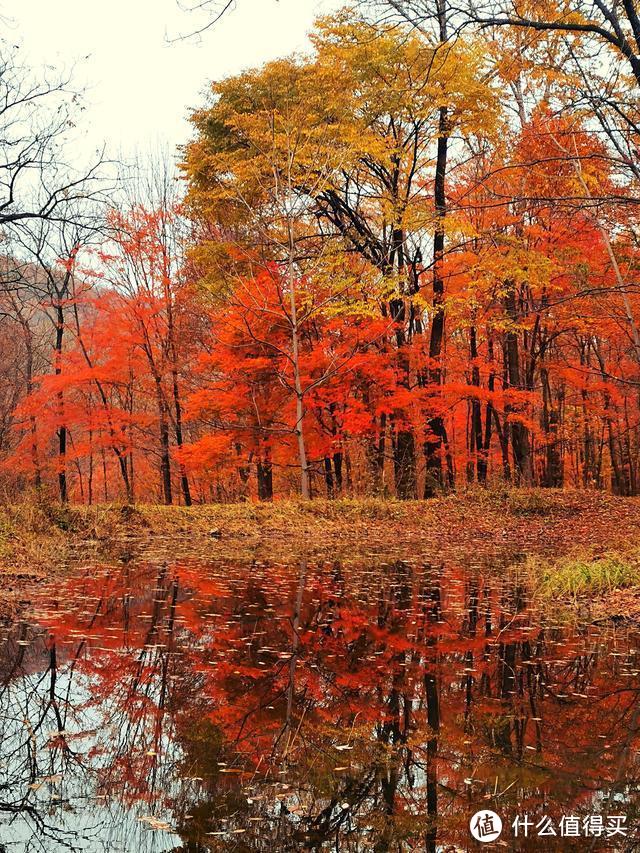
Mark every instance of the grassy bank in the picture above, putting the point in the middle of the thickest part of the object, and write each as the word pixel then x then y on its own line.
pixel 39 540
pixel 575 577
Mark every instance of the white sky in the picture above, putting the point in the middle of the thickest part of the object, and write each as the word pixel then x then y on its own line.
pixel 139 87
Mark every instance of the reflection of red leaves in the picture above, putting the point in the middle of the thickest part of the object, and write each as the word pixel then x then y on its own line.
pixel 360 665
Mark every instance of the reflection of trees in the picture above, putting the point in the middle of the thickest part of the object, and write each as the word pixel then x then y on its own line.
pixel 37 755
pixel 286 708
pixel 57 749
pixel 22 763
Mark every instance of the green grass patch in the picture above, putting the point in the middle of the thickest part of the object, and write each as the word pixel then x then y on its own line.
pixel 577 576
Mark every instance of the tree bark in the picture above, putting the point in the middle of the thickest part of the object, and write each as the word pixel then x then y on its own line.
pixel 264 473
pixel 476 446
pixel 404 461
pixel 519 433
pixel 434 478
pixel 165 459
pixel 62 430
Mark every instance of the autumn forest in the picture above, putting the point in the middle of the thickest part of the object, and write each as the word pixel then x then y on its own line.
pixel 402 263
pixel 320 426
pixel 399 264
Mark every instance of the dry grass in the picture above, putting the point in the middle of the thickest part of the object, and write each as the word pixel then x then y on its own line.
pixel 40 540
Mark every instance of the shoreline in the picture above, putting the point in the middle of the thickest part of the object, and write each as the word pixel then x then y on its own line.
pixel 39 541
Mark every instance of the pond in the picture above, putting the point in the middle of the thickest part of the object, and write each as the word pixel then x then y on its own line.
pixel 361 704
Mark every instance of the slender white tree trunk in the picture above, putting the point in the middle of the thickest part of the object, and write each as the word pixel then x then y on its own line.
pixel 305 489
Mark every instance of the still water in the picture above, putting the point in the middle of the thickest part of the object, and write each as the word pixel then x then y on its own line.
pixel 365 704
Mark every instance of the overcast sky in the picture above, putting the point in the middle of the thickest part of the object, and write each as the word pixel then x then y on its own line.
pixel 140 87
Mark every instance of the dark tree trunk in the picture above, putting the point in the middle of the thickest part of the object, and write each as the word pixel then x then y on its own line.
pixel 184 480
pixel 476 440
pixel 264 472
pixel 404 444
pixel 435 479
pixel 62 430
pixel 520 443
pixel 328 476
pixel 590 466
pixel 483 462
pixel 619 484
pixel 90 472
pixel 165 459
pixel 244 472
pixel 337 467
pixel 165 462
pixel 552 473
pixel 404 465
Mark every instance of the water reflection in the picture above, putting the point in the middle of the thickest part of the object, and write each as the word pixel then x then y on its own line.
pixel 314 706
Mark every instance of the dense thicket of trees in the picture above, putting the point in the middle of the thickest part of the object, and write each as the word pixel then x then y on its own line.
pixel 405 262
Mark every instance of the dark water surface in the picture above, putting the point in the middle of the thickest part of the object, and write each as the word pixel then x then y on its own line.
pixel 356 705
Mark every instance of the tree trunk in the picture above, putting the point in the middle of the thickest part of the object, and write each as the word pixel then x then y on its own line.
pixel 434 479
pixel 328 476
pixel 375 449
pixel 403 440
pixel 264 473
pixel 35 461
pixel 483 462
pixel 337 467
pixel 552 474
pixel 165 459
pixel 305 485
pixel 62 430
pixel 476 446
pixel 520 443
pixel 618 480
pixel 404 464
pixel 90 473
pixel 184 480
